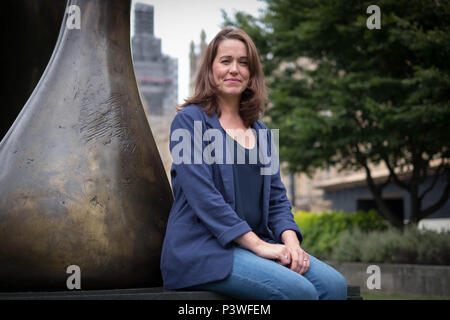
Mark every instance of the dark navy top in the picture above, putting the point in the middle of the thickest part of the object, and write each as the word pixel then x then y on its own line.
pixel 248 187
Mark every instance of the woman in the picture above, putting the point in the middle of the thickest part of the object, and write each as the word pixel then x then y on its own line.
pixel 231 229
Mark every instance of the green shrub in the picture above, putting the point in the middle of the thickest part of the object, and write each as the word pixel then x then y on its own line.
pixel 321 232
pixel 348 248
pixel 409 245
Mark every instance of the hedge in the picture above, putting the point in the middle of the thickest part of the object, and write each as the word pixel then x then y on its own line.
pixel 409 245
pixel 321 231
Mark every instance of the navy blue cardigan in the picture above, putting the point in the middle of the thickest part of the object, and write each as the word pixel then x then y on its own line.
pixel 198 244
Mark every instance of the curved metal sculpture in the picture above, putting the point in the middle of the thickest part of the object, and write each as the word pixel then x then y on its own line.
pixel 81 180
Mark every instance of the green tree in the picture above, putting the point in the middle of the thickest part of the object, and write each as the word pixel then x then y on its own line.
pixel 366 95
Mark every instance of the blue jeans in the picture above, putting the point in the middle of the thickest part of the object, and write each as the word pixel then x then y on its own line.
pixel 256 278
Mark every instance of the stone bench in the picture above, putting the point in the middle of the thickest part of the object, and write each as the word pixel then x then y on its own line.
pixel 157 293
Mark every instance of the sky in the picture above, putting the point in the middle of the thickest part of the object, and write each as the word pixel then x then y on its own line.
pixel 178 22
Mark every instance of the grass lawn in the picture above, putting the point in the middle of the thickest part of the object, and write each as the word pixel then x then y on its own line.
pixel 394 296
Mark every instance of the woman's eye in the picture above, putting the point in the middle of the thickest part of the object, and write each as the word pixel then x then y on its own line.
pixel 225 61
pixel 244 63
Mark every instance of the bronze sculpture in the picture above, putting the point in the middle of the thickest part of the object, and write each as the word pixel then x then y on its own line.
pixel 81 180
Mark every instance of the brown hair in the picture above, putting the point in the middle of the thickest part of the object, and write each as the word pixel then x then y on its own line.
pixel 254 96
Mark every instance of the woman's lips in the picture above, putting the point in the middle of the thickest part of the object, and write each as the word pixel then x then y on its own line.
pixel 233 80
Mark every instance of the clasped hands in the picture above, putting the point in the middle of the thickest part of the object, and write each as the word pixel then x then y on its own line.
pixel 288 254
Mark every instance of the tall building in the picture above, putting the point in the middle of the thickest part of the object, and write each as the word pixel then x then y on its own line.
pixel 157 78
pixel 195 58
pixel 156 74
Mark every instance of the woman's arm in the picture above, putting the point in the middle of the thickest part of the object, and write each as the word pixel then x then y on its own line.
pixel 281 219
pixel 280 215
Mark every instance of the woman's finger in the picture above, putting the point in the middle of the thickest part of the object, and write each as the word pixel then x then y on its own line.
pixel 304 262
pixel 286 258
pixel 294 260
pixel 300 260
pixel 308 264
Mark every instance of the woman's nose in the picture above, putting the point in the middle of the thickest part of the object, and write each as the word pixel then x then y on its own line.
pixel 233 68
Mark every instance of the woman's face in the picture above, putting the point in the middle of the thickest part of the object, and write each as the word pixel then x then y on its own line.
pixel 230 68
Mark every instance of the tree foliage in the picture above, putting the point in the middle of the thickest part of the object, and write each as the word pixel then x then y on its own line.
pixel 361 96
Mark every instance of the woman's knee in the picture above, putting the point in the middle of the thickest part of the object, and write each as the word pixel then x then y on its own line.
pixel 305 293
pixel 336 287
pixel 301 290
pixel 330 284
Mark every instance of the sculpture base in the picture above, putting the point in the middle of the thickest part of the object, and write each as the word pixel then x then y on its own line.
pixel 157 293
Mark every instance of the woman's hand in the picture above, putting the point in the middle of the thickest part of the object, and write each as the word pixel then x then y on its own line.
pixel 299 258
pixel 277 252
